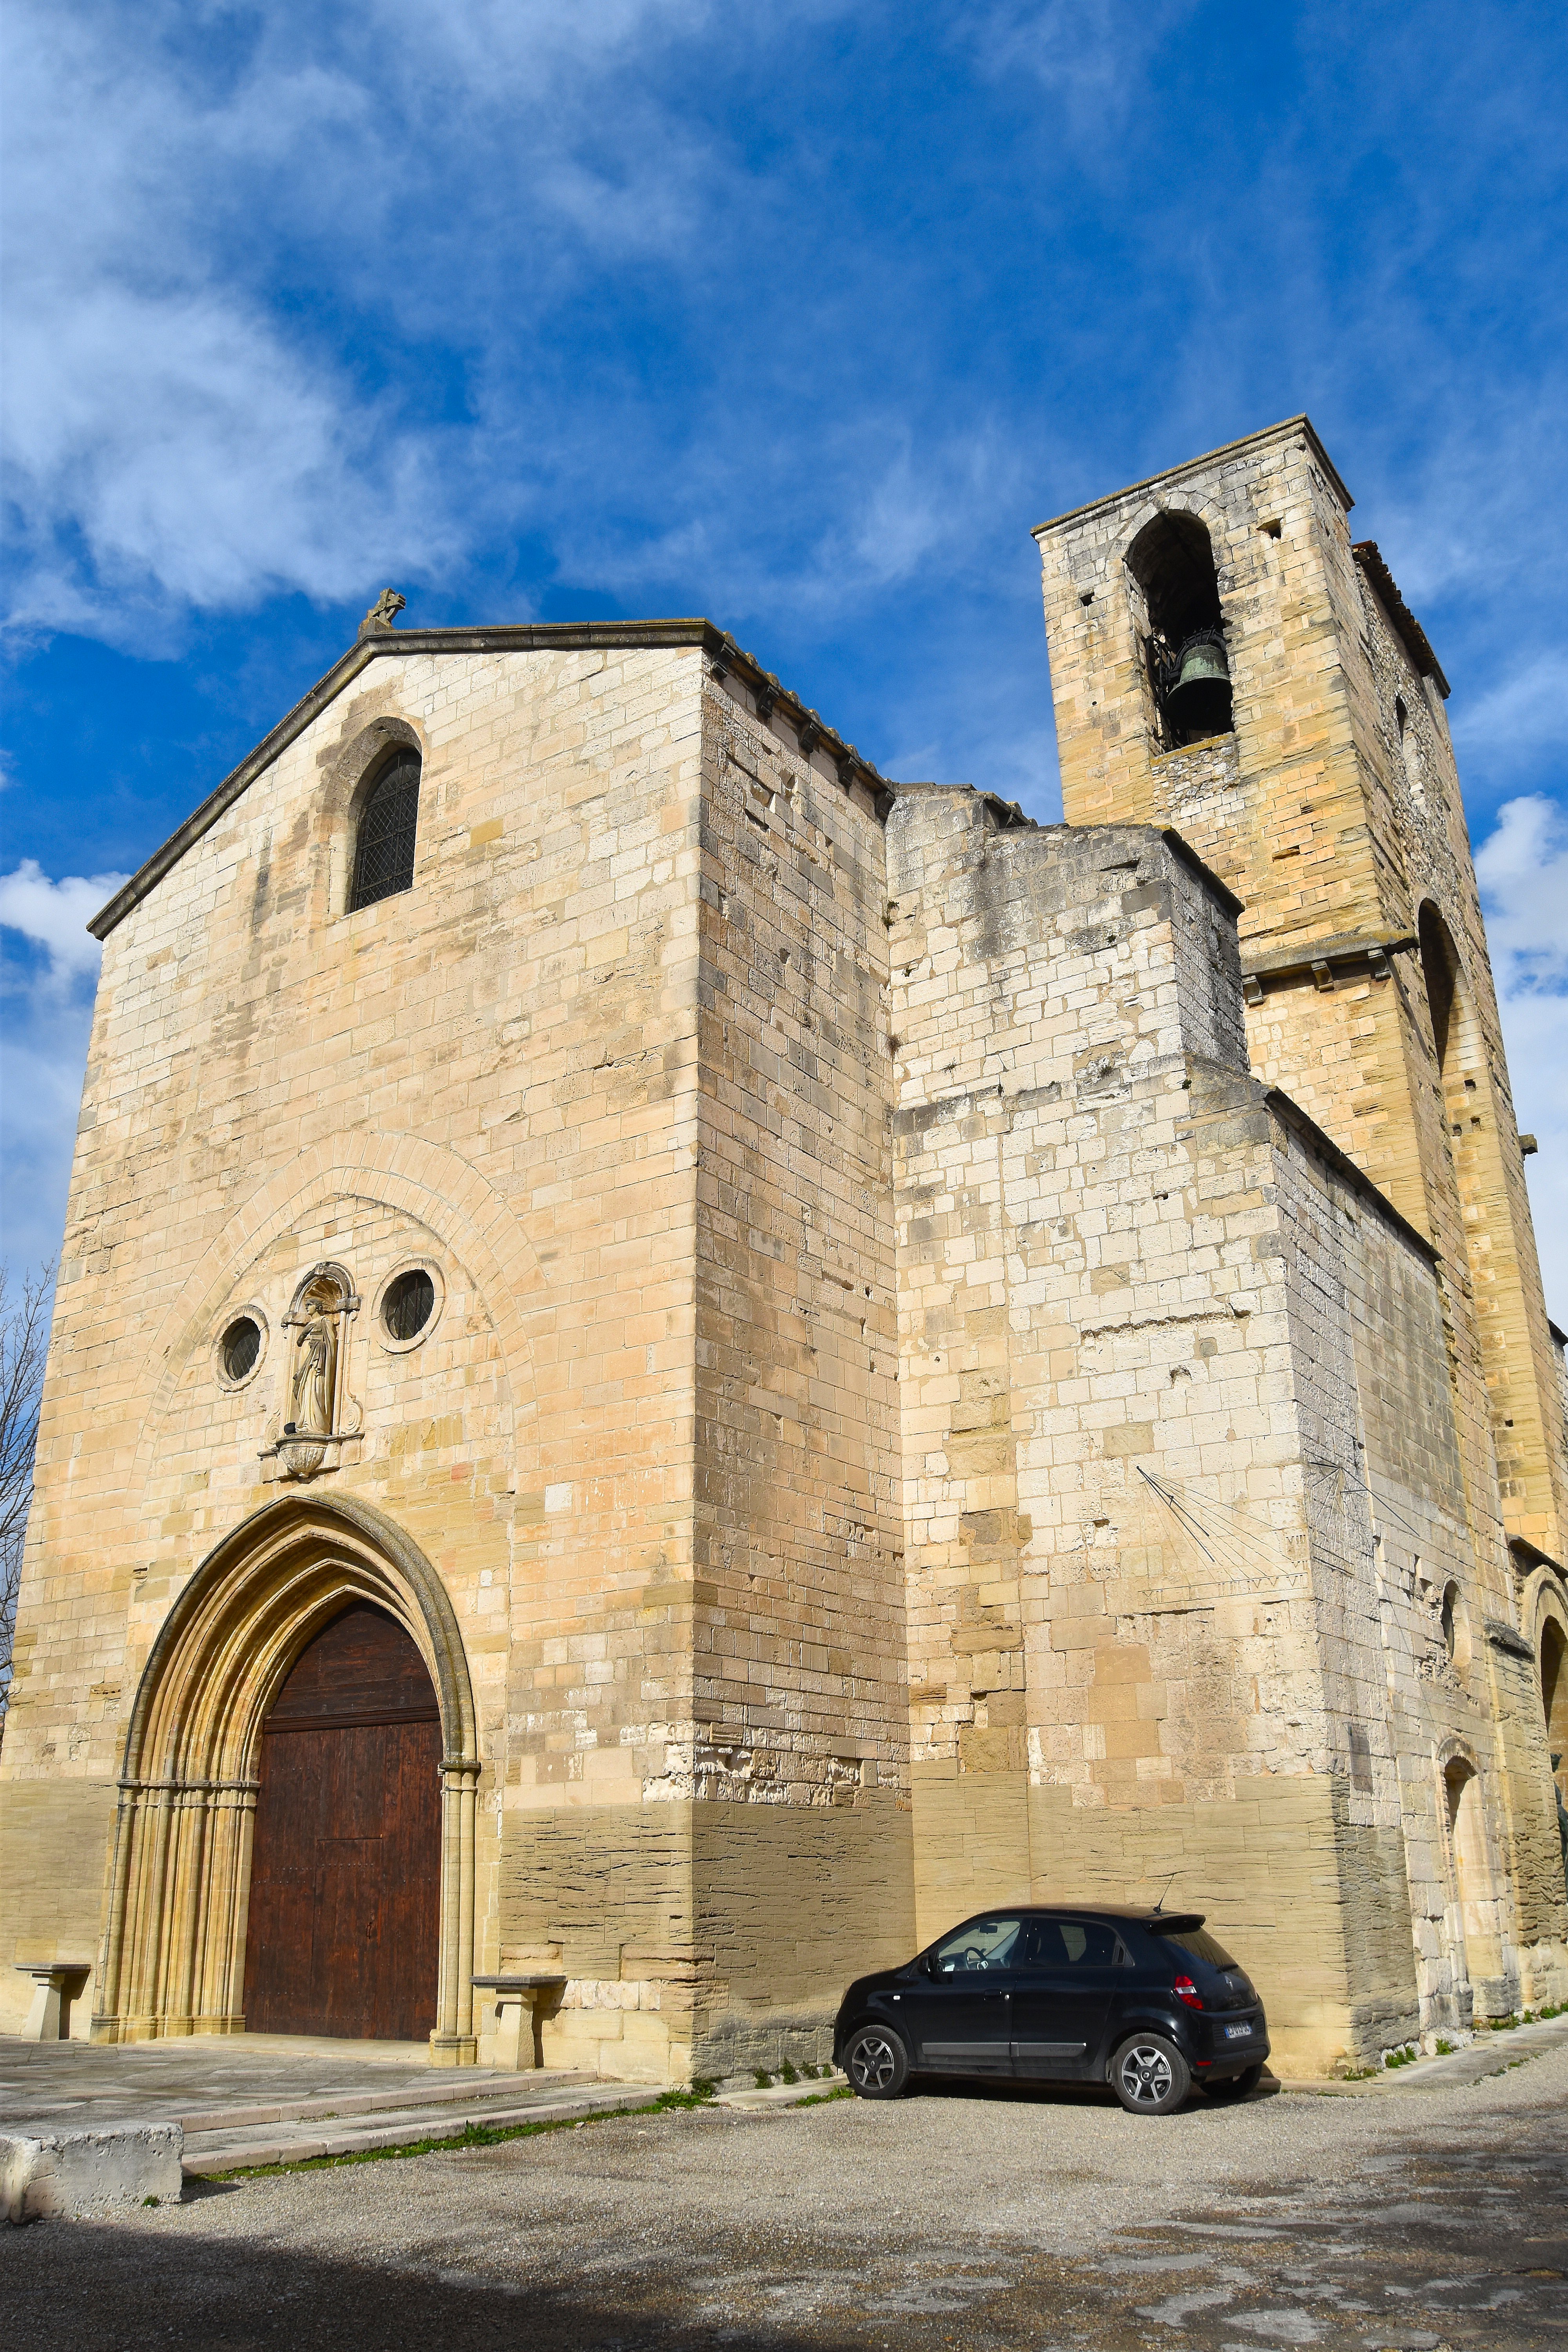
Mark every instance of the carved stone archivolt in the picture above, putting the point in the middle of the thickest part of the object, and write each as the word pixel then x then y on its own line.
pixel 318 1417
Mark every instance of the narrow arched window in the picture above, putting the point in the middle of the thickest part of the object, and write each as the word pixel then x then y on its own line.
pixel 383 843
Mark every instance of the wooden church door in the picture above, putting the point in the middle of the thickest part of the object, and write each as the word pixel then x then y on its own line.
pixel 346 1870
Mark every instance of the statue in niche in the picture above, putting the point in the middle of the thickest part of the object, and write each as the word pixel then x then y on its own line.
pixel 313 1375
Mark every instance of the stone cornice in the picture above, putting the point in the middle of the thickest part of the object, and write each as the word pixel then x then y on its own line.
pixel 1302 424
pixel 1321 959
pixel 725 657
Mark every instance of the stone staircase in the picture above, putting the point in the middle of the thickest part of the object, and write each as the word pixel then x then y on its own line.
pixel 289 2131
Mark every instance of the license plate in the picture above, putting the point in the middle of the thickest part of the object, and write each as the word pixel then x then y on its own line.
pixel 1237 2033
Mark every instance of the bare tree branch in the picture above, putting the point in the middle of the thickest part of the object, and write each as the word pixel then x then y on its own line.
pixel 24 1344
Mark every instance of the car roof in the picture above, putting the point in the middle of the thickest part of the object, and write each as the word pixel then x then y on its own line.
pixel 1140 1915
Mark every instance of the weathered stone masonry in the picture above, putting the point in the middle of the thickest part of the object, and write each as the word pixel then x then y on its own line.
pixel 969 1359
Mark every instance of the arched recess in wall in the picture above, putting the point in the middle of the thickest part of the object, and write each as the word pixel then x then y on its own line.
pixel 1174 589
pixel 1551 1650
pixel 404 1172
pixel 1448 996
pixel 1473 1132
pixel 173 1953
pixel 1474 1913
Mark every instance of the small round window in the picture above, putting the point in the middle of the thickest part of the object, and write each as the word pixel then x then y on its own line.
pixel 409 1303
pixel 239 1347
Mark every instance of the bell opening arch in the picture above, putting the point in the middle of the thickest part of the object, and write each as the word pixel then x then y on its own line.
pixel 175 1945
pixel 1174 587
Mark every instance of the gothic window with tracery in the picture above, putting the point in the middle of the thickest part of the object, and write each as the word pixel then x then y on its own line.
pixel 383 843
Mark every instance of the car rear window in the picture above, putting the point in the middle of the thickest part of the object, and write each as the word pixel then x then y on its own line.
pixel 1200 1943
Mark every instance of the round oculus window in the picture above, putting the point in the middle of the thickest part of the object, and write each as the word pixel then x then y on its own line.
pixel 409 1303
pixel 239 1347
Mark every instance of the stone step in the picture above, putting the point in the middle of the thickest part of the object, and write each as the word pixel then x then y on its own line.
pixel 480 2090
pixel 296 2140
pixel 754 2101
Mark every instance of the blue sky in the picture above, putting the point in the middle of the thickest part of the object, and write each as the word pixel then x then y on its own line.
pixel 796 315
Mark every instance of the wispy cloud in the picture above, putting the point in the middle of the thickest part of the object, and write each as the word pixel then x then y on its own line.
pixel 1525 711
pixel 54 916
pixel 1090 51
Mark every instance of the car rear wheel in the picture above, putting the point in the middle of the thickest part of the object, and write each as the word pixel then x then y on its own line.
pixel 877 2063
pixel 1150 2075
pixel 1236 2086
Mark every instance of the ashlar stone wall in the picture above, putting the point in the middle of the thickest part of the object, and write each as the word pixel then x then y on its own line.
pixel 645 1443
pixel 1170 1365
pixel 1332 809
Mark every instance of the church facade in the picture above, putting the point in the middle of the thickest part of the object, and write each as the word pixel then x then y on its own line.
pixel 675 1365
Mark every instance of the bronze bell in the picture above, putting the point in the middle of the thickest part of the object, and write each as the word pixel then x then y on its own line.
pixel 1199 701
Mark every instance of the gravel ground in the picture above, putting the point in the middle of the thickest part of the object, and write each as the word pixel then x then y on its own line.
pixel 1000 2218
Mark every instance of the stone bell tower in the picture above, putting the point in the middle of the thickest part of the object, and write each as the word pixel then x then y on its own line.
pixel 1227 662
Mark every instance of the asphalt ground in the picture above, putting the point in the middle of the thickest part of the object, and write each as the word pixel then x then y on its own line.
pixel 1038 2218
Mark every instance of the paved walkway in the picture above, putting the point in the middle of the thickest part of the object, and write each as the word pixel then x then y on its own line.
pixel 256 2099
pixel 1490 2053
pixel 259 2098
pixel 1002 2219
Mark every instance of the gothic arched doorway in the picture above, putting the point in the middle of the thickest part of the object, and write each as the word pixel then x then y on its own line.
pixel 345 1872
pixel 177 1938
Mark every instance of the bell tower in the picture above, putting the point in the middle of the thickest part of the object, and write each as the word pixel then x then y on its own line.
pixel 1228 664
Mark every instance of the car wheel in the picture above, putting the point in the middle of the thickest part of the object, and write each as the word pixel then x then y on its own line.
pixel 877 2063
pixel 1150 2075
pixel 1236 2086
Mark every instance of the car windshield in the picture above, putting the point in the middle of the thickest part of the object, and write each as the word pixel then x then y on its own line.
pixel 1200 1943
pixel 983 1944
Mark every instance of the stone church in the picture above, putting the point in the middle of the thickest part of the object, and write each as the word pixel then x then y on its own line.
pixel 676 1365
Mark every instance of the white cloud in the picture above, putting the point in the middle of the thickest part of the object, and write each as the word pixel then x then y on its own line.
pixel 54 915
pixel 1522 867
pixel 47 1006
pixel 186 226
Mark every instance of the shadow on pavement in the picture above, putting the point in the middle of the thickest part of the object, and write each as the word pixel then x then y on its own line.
pixel 1069 2094
pixel 103 2288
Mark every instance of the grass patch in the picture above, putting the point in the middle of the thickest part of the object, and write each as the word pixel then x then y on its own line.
pixel 473 2135
pixel 1526 2017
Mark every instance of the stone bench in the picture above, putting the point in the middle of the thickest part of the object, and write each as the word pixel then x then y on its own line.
pixel 520 2002
pixel 57 1984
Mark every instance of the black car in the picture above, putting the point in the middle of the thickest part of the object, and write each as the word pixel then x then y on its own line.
pixel 1146 2000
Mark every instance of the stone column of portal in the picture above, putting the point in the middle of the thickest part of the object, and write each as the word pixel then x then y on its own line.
pixel 453 2042
pixel 105 2023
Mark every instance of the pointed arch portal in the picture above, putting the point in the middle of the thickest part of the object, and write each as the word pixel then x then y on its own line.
pixel 174 1952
